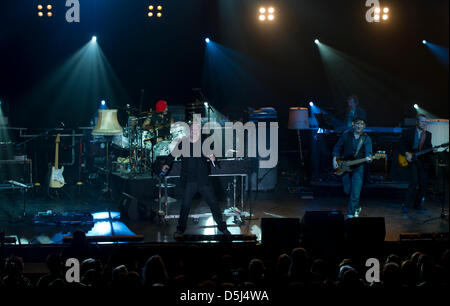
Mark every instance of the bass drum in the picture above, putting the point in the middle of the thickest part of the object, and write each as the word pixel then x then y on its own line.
pixel 147 139
pixel 163 148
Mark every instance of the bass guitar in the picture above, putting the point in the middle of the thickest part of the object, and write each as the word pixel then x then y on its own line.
pixel 346 165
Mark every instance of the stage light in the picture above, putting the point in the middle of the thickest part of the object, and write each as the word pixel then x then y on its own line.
pixel 207 40
pixel 377 10
pixel 376 17
pixel 159 15
pixel 316 41
pixel 40 14
pixel 40 7
pixel 150 14
pixel 159 7
pixel 49 14
pixel 311 103
pixel 49 7
pixel 206 104
pixel 424 42
pixel 386 10
pixel 266 14
pixel 94 38
pixel 103 102
pixel 385 17
pixel 150 7
pixel 416 106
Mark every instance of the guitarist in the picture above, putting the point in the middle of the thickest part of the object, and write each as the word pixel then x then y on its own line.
pixel 353 144
pixel 416 139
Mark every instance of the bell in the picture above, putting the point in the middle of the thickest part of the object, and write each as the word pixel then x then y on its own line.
pixel 107 123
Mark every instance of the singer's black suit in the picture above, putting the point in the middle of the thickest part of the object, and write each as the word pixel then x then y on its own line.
pixel 195 178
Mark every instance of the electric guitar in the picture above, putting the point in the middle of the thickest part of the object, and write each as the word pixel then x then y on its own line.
pixel 403 162
pixel 56 177
pixel 346 165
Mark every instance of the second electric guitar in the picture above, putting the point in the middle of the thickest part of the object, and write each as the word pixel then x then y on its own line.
pixel 56 176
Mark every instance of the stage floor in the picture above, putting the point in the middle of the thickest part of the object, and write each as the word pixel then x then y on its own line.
pixel 376 201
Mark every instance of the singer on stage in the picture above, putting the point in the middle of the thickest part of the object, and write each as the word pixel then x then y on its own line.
pixel 195 178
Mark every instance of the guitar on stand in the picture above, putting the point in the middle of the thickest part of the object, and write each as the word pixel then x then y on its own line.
pixel 346 165
pixel 56 174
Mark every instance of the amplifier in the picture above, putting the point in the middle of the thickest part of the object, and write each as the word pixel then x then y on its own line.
pixel 17 170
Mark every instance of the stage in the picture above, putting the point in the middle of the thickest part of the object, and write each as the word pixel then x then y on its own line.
pixel 377 200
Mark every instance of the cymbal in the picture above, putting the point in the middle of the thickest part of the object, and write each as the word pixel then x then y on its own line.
pixel 148 113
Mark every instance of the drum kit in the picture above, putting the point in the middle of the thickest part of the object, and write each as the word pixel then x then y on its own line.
pixel 146 136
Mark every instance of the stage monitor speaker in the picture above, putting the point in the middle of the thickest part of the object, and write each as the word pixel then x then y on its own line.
pixel 323 231
pixel 132 209
pixel 280 232
pixel 366 230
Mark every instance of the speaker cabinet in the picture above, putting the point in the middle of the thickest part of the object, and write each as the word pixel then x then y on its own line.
pixel 323 231
pixel 280 232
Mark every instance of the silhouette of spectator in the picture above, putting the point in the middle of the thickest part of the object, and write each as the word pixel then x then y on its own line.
pixel 154 272
pixel 299 271
pixel 408 272
pixel 79 247
pixel 133 280
pixel 14 274
pixel 391 275
pixel 55 271
pixel 119 275
pixel 426 271
pixel 393 258
pixel 256 270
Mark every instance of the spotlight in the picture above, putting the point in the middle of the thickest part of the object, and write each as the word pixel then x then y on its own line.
pixel 416 106
pixel 386 10
pixel 377 10
pixel 40 14
pixel 316 41
pixel 206 104
pixel 159 7
pixel 94 38
pixel 266 14
pixel 424 42
pixel 150 7
pixel 150 14
pixel 49 14
pixel 49 7
pixel 376 17
pixel 40 7
pixel 103 102
pixel 159 15
pixel 311 103
pixel 385 17
pixel 207 40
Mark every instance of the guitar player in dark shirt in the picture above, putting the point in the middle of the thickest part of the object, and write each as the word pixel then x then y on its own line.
pixel 353 144
pixel 413 140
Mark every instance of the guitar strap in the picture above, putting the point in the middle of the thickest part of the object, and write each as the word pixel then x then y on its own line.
pixel 360 143
pixel 422 139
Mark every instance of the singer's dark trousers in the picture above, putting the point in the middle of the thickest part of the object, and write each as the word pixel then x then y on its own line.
pixel 207 193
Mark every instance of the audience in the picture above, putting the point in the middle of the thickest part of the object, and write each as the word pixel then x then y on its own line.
pixel 287 271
